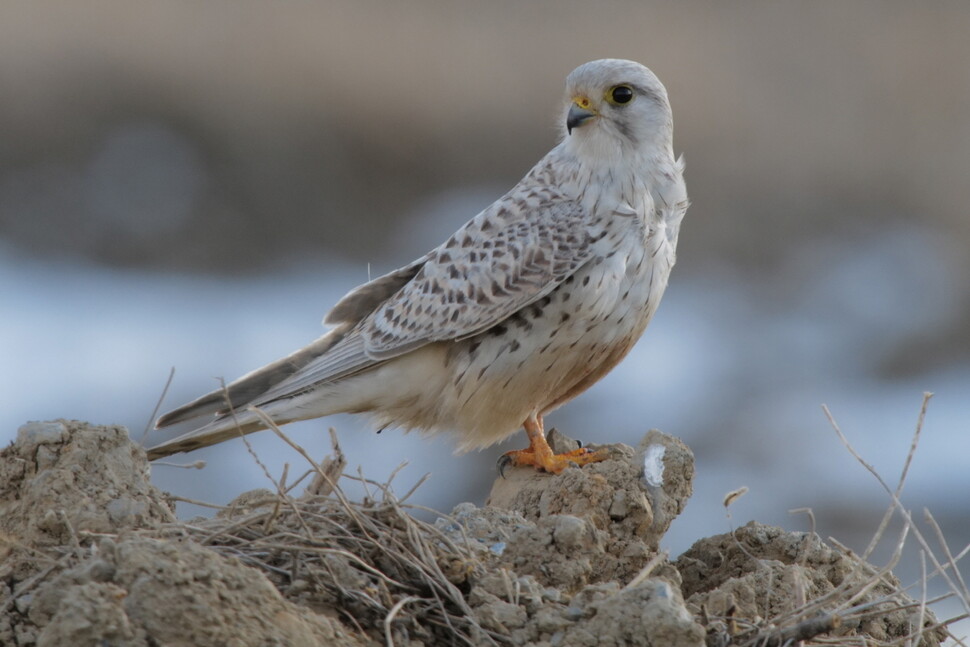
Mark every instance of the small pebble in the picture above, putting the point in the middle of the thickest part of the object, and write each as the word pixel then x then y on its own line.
pixel 23 603
pixel 40 433
pixel 497 548
pixel 551 594
pixel 569 531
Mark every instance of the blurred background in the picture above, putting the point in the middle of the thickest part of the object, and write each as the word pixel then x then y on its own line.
pixel 193 185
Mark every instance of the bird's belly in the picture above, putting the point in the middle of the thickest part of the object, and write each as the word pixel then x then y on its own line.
pixel 552 350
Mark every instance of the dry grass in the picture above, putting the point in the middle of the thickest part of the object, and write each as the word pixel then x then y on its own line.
pixel 372 561
pixel 876 593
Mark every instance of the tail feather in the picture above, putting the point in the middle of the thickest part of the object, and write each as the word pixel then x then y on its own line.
pixel 217 431
pixel 210 403
pixel 229 404
pixel 241 392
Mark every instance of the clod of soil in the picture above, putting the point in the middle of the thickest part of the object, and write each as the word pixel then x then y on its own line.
pixel 760 572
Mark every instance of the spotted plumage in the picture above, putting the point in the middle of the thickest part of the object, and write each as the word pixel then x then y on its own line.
pixel 522 309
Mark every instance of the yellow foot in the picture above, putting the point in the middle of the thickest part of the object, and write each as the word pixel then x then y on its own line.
pixel 554 463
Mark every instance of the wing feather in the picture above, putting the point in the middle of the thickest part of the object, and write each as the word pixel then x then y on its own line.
pixel 500 262
pixel 513 253
pixel 362 301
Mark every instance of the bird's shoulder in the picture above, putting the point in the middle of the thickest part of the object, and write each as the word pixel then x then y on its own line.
pixel 512 253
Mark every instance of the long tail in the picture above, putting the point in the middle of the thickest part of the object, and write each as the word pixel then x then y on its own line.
pixel 217 431
pixel 252 385
pixel 230 404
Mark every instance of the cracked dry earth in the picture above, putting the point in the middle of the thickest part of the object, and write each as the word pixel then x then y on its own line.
pixel 92 554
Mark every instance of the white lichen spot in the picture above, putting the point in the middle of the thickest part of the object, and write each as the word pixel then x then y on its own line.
pixel 653 465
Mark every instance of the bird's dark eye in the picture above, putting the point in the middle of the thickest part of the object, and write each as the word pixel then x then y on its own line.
pixel 621 94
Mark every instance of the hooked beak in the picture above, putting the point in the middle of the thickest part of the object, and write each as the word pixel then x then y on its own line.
pixel 579 113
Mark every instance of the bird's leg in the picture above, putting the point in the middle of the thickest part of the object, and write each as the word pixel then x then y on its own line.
pixel 539 453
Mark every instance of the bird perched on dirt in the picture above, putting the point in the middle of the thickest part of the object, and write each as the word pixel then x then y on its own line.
pixel 521 310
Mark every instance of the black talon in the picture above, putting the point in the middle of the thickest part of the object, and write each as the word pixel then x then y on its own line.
pixel 503 463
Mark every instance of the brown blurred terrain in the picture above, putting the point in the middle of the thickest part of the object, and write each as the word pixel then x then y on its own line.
pixel 307 127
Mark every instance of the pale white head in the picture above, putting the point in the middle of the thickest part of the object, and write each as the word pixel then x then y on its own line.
pixel 615 108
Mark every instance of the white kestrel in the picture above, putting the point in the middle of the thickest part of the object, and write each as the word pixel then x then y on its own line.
pixel 521 310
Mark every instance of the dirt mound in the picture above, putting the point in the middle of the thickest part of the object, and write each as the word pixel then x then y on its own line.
pixel 60 478
pixel 761 572
pixel 93 555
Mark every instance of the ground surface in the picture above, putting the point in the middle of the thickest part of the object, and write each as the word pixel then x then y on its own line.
pixel 92 554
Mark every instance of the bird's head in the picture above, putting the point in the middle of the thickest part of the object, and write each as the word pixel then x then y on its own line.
pixel 615 108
